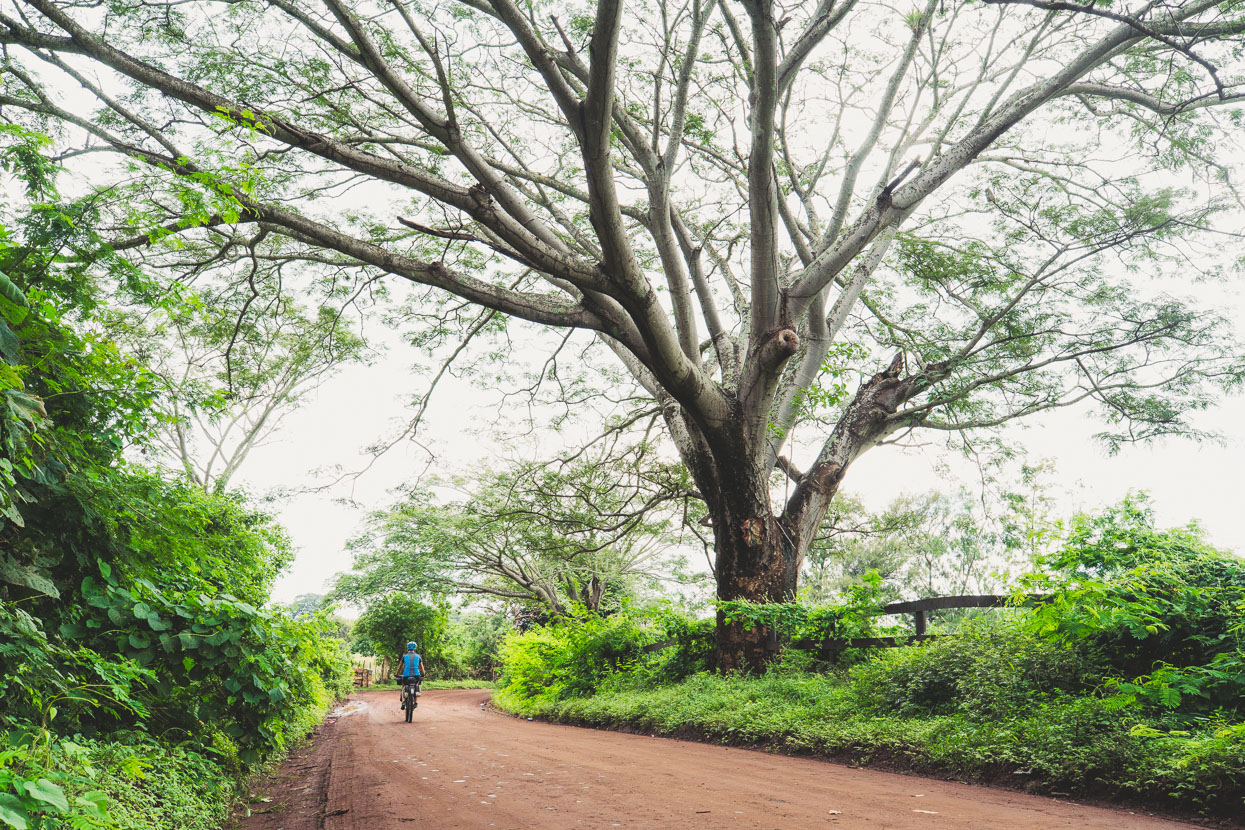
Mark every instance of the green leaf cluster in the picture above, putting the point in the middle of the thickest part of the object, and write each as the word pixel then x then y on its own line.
pixel 32 796
pixel 1162 609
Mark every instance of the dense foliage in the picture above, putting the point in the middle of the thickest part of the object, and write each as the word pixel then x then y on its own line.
pixel 1163 609
pixel 1129 680
pixel 131 636
pixel 388 624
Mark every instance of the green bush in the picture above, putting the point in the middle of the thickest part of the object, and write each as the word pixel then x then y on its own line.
pixel 575 656
pixel 1205 768
pixel 214 660
pixel 46 782
pixel 128 780
pixel 991 668
pixel 113 685
pixel 151 785
pixel 691 648
pixel 1161 612
pixel 474 641
pixel 128 598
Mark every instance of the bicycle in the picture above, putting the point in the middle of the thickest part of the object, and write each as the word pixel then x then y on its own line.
pixel 410 696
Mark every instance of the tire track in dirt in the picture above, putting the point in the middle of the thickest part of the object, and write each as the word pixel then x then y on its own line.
pixel 461 766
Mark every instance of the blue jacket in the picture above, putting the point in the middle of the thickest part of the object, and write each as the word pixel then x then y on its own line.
pixel 411 664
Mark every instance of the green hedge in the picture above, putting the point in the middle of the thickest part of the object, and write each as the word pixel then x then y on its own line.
pixel 81 718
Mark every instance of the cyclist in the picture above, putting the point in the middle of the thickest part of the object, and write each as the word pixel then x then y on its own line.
pixel 412 667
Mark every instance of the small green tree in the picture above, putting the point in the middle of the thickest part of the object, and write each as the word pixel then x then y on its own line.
pixel 389 623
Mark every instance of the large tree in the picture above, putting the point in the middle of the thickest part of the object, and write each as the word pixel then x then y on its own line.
pixel 747 202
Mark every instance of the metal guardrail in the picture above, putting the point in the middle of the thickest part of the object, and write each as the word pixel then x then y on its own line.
pixel 918 608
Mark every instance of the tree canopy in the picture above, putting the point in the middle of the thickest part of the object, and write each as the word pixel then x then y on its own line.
pixel 750 204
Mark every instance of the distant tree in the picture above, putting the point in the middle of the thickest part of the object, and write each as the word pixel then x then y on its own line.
pixel 1030 524
pixel 852 542
pixel 233 360
pixel 390 622
pixel 581 532
pixel 935 543
pixel 304 605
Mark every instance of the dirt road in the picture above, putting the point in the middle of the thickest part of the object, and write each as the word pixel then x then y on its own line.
pixel 460 766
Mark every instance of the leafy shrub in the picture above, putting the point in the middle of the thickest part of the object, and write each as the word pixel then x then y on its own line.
pixel 1083 744
pixel 128 599
pixel 991 668
pixel 691 648
pixel 1161 611
pixel 42 671
pixel 1128 682
pixel 127 689
pixel 573 656
pixel 213 660
pixel 128 780
pixel 152 785
pixel 1204 768
pixel 37 790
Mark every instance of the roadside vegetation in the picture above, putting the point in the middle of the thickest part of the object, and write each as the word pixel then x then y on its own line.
pixel 1128 683
pixel 141 678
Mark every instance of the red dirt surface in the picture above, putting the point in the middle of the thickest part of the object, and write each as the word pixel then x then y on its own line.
pixel 462 766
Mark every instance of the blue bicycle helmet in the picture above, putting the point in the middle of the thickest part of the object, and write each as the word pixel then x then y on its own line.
pixel 411 646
